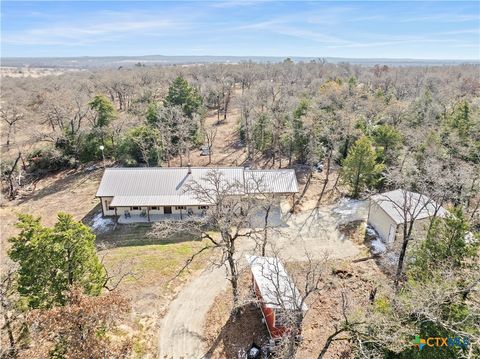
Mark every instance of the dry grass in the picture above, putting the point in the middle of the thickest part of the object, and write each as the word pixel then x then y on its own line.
pixel 154 283
pixel 225 336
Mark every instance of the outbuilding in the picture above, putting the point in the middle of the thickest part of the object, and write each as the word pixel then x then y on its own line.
pixel 275 292
pixel 389 211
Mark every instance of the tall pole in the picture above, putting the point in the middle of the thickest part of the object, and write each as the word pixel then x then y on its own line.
pixel 103 155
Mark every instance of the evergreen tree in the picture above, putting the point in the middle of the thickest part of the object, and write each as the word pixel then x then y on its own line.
pixel 447 241
pixel 105 111
pixel 386 138
pixel 180 93
pixel 53 259
pixel 461 119
pixel 105 114
pixel 141 144
pixel 151 116
pixel 360 169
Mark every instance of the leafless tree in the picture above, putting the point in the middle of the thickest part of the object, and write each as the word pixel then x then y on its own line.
pixel 210 135
pixel 288 294
pixel 12 315
pixel 231 208
pixel 11 116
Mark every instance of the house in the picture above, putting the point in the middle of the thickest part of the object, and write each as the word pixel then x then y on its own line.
pixel 389 211
pixel 276 293
pixel 152 193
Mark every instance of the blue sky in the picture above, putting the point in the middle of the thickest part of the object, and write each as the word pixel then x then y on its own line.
pixel 422 30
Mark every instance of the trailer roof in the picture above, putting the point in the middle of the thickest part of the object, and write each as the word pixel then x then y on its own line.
pixel 276 287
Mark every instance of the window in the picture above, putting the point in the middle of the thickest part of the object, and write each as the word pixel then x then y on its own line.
pixel 111 208
pixel 202 207
pixel 180 207
pixel 154 208
pixel 134 208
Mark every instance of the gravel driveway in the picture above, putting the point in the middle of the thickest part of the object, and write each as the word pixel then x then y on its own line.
pixel 315 231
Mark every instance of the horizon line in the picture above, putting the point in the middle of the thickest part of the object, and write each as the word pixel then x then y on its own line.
pixel 245 56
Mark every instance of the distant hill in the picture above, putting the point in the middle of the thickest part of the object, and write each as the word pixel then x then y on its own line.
pixel 88 62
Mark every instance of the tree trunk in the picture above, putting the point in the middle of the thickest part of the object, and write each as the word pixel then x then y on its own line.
pixel 265 230
pixel 327 175
pixel 307 184
pixel 10 179
pixel 329 341
pixel 401 258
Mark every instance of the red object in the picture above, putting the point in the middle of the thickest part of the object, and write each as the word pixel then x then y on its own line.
pixel 275 330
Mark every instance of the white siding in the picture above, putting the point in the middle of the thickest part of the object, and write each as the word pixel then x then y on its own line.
pixel 380 220
pixel 122 210
pixel 105 204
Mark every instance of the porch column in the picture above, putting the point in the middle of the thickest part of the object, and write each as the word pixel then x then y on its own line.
pixel 148 213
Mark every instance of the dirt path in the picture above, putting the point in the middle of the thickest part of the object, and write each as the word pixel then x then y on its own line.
pixel 182 326
pixel 181 332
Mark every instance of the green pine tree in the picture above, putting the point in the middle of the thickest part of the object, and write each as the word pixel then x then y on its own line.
pixel 180 93
pixel 52 259
pixel 104 109
pixel 360 169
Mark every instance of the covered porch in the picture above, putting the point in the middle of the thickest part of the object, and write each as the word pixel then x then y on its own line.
pixel 140 218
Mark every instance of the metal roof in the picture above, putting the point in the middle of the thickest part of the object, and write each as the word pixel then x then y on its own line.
pixel 417 206
pixel 276 287
pixel 169 185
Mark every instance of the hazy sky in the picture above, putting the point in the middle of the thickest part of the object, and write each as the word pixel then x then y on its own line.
pixel 430 30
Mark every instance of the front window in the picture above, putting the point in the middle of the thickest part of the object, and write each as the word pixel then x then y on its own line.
pixel 202 207
pixel 180 207
pixel 134 208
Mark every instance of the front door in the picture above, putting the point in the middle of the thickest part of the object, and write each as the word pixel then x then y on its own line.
pixel 167 210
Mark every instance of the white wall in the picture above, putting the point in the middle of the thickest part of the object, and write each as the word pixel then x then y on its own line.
pixel 380 220
pixel 122 210
pixel 105 203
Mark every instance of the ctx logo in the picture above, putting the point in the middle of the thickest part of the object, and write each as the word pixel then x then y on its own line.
pixel 440 342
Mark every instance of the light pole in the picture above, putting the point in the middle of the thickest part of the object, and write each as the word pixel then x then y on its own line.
pixel 102 147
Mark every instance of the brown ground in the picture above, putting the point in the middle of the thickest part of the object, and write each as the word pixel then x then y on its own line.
pixel 73 191
pixel 226 336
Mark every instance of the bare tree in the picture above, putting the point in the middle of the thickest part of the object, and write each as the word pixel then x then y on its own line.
pixel 210 135
pixel 280 290
pixel 11 116
pixel 231 207
pixel 12 315
pixel 409 206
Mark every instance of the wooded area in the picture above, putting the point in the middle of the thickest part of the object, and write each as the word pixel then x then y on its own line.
pixel 367 129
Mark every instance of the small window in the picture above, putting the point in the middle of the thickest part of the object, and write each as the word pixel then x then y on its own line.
pixel 202 207
pixel 134 208
pixel 111 208
pixel 154 208
pixel 180 207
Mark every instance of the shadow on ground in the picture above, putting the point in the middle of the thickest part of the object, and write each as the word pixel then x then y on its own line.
pixel 239 333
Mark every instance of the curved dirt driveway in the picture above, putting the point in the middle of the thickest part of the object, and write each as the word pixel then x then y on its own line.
pixel 181 331
pixel 182 327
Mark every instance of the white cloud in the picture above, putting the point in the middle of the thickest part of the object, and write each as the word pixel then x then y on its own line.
pixel 105 26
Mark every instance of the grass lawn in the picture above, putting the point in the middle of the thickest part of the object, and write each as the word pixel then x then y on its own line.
pixel 154 263
pixel 155 282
